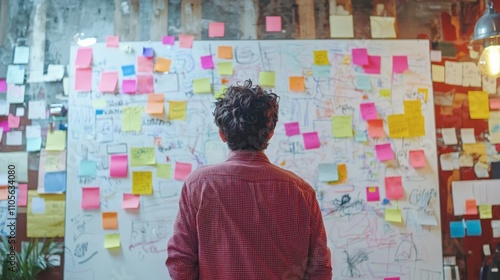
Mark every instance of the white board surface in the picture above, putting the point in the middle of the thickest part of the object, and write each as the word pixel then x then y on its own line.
pixel 364 245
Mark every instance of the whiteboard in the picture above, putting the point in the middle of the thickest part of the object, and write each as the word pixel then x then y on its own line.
pixel 363 244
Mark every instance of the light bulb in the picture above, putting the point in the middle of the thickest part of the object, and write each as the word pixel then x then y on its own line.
pixel 489 61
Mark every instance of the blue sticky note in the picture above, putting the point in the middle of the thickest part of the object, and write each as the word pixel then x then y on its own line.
pixel 87 168
pixel 457 229
pixel 385 201
pixel 321 71
pixel 148 52
pixel 128 70
pixel 33 144
pixel 473 228
pixel 55 181
pixel 328 172
pixel 363 82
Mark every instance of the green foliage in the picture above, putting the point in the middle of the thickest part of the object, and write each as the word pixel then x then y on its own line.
pixel 35 257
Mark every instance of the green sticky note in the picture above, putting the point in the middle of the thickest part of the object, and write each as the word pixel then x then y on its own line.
pixel 266 79
pixel 112 241
pixel 225 68
pixel 393 215
pixel 132 118
pixel 220 92
pixel 202 85
pixel 142 156
pixel 163 170
pixel 342 126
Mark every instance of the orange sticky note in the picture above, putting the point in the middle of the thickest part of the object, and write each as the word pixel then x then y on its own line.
pixel 297 84
pixel 216 29
pixel 470 207
pixel 155 104
pixel 109 220
pixel 112 41
pixel 186 41
pixel 376 128
pixel 162 64
pixel 225 52
pixel 4 192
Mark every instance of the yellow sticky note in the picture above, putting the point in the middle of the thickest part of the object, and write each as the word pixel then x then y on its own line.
pixel 142 156
pixel 177 110
pixel 142 182
pixel 155 103
pixel 221 91
pixel 321 57
pixel 56 140
pixel 485 212
pixel 162 64
pixel 475 148
pixel 413 107
pixel 346 60
pixel 424 92
pixel 342 171
pixel 112 241
pixel 398 126
pixel 479 107
pixel 385 93
pixel 225 68
pixel 225 52
pixel 164 170
pixel 267 79
pixel 50 223
pixel 393 215
pixel 342 126
pixel 202 85
pixel 417 125
pixel 297 84
pixel 132 118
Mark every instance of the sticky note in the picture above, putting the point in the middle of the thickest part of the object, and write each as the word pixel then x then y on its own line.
pixel 56 140
pixel 109 220
pixel 182 170
pixel 186 41
pixel 485 211
pixel 359 56
pixel 393 215
pixel 457 229
pixel 385 93
pixel 112 41
pixel 4 192
pixel 221 91
pixel 130 201
pixel 297 84
pixel 202 85
pixel 21 55
pixel 372 194
pixel 417 159
pixel 129 86
pixel 148 52
pixel 394 187
pixel 225 52
pixel 216 29
pixel 55 182
pixel 22 195
pixel 168 40
pixel 384 152
pixel 156 104
pixel 145 83
pixel 376 128
pixel 142 156
pixel 373 66
pixel 470 207
pixel 162 64
pixel 273 23
pixel 177 110
pixel 382 27
pixel 145 64
pixel 321 71
pixel 87 168
pixel 15 74
pixel 132 118
pixel 413 107
pixel 225 68
pixel 83 80
pixel 83 58
pixel 362 82
pixel 33 144
pixel 399 63
pixel 108 82
pixel 328 172
pixel 398 126
pixel 494 102
pixel 3 85
pixel 311 140
pixel 473 227
pixel 15 94
pixel 112 241
pixel 13 121
pixel 142 182
pixel 467 135
pixel 118 166
pixel 267 79
pixel 360 136
pixel 321 57
pixel 91 198
pixel 14 138
pixel 38 205
pixel 342 126
pixel 341 26
pixel 163 170
pixel 368 111
pixel 292 128
pixel 4 125
pixel 479 107
pixel 128 70
pixel 207 62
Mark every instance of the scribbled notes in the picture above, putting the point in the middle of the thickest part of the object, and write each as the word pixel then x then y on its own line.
pixel 327 172
pixel 342 126
pixel 112 241
pixel 394 187
pixel 132 118
pixel 267 79
pixel 417 158
pixel 202 85
pixel 109 220
pixel 384 152
pixel 368 111
pixel 321 57
pixel 225 52
pixel 470 207
pixel 292 128
pixel 225 68
pixel 118 167
pixel 177 110
pixel 457 229
pixel 372 194
pixel 130 201
pixel 91 198
pixel 398 126
pixel 479 107
pixel 142 156
pixel 393 215
pixel 182 170
pixel 163 170
pixel 311 140
pixel 297 84
pixel 162 64
pixel 273 23
pixel 142 182
pixel 155 104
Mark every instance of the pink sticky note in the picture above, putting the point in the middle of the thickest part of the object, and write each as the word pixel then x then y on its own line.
pixel 273 24
pixel 145 84
pixel 145 64
pixel 394 187
pixel 168 40
pixel 186 41
pixel 4 125
pixel 216 29
pixel 128 86
pixel 494 103
pixel 112 41
pixel 83 58
pixel 130 201
pixel 311 140
pixel 384 152
pixel 83 79
pixel 372 194
pixel 91 198
pixel 182 170
pixel 359 56
pixel 292 128
pixel 22 195
pixel 368 111
pixel 118 166
pixel 109 81
pixel 417 159
pixel 13 121
pixel 3 85
pixel 373 66
pixel 399 63
pixel 207 62
pixel 376 128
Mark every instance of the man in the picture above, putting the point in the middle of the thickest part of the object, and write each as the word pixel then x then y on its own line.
pixel 247 218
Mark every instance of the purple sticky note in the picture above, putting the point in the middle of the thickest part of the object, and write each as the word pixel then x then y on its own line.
pixel 168 40
pixel 373 66
pixel 359 56
pixel 399 63
pixel 311 140
pixel 3 85
pixel 207 62
pixel 128 86
pixel 292 128
pixel 384 152
pixel 368 111
pixel 148 52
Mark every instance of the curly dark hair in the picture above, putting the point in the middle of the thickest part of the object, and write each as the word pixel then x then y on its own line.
pixel 247 116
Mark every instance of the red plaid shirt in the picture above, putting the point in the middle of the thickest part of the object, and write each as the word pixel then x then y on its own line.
pixel 248 219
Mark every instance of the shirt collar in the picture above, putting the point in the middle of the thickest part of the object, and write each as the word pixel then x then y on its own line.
pixel 247 155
